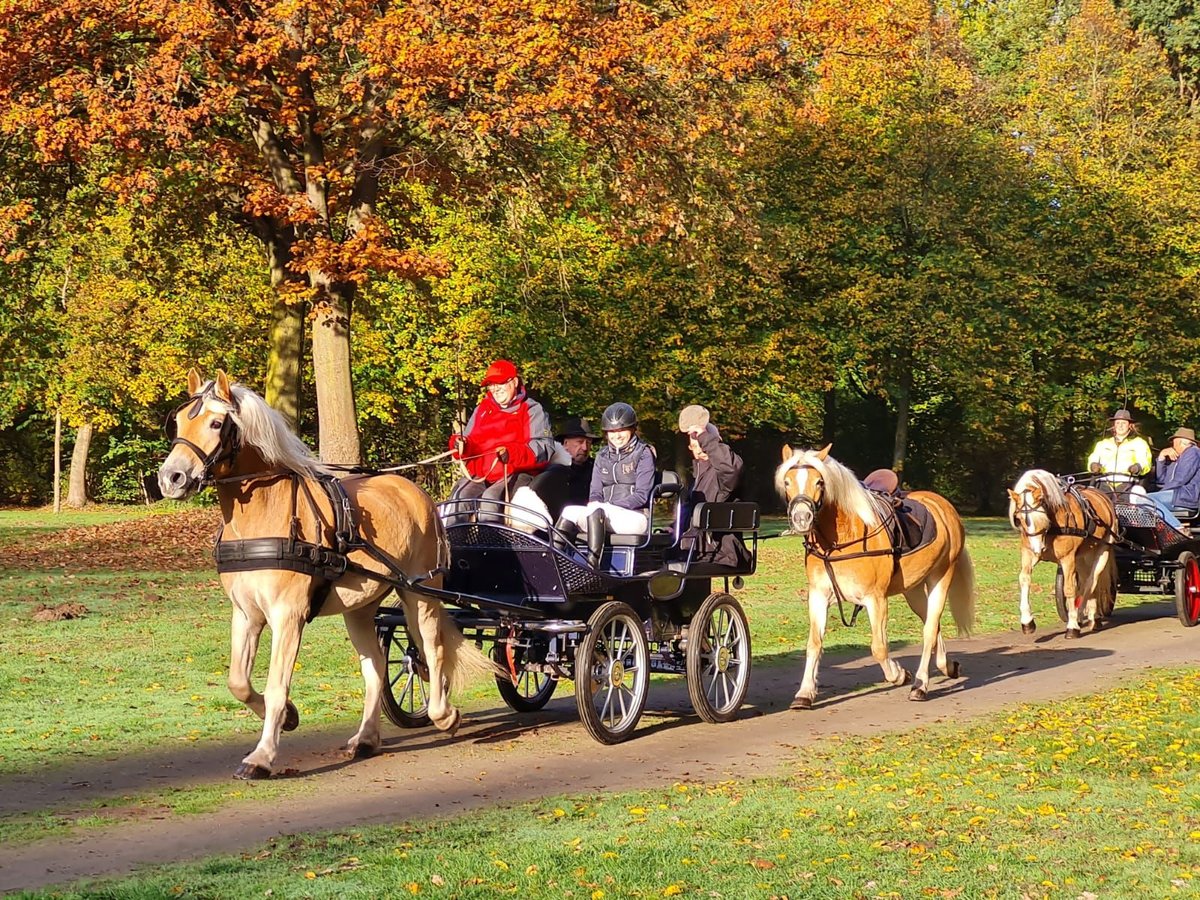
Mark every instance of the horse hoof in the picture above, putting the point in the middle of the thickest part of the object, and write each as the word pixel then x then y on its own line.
pixel 360 751
pixel 1028 627
pixel 251 772
pixel 801 703
pixel 1072 634
pixel 291 718
pixel 953 669
pixel 451 727
pixel 905 678
pixel 918 694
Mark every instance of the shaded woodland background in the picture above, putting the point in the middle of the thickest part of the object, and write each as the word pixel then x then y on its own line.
pixel 951 238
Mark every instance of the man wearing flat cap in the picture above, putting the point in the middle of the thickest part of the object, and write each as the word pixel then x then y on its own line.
pixel 716 474
pixel 1178 474
pixel 1124 453
pixel 507 439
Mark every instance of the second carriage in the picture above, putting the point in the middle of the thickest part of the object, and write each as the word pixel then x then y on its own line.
pixel 650 604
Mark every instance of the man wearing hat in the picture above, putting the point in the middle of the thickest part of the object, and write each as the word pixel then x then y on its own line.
pixel 507 439
pixel 1178 474
pixel 576 436
pixel 716 474
pixel 1125 452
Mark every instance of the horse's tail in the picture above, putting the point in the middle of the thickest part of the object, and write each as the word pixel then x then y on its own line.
pixel 464 661
pixel 962 593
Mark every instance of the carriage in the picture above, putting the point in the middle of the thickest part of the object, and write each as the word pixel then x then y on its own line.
pixel 648 605
pixel 1152 557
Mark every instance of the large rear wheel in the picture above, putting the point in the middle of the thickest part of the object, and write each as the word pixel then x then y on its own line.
pixel 1187 589
pixel 718 658
pixel 612 673
pixel 531 691
pixel 405 694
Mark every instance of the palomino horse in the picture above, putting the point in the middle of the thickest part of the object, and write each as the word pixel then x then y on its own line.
pixel 280 522
pixel 1075 528
pixel 851 557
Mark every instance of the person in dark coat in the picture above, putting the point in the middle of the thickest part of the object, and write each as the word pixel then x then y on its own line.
pixel 563 484
pixel 716 476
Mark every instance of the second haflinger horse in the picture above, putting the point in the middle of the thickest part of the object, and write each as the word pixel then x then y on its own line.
pixel 1075 528
pixel 857 553
pixel 296 543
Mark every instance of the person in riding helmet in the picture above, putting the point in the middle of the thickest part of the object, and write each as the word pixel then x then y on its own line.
pixel 622 479
pixel 507 439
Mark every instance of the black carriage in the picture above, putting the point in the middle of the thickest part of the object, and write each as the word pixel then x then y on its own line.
pixel 648 605
pixel 1152 556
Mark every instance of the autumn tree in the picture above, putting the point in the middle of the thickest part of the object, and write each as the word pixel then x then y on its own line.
pixel 291 118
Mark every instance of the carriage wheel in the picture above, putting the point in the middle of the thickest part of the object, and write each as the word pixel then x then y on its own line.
pixel 718 658
pixel 1060 595
pixel 405 696
pixel 531 691
pixel 1187 590
pixel 612 673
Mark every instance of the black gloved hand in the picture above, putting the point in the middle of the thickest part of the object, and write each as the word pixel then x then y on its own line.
pixel 502 455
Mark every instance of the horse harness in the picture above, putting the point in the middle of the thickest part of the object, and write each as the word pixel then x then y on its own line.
pixel 1092 526
pixel 889 523
pixel 293 554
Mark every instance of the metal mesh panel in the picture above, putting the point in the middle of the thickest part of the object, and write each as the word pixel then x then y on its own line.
pixel 578 579
pixel 1137 515
pixel 489 537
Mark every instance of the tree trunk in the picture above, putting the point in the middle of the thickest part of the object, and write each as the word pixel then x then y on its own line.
pixel 338 428
pixel 58 460
pixel 283 361
pixel 77 497
pixel 829 416
pixel 900 447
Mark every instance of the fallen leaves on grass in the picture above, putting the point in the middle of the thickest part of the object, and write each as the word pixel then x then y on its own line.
pixel 58 613
pixel 180 541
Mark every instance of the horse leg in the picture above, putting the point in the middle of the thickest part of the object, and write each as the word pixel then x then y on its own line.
pixel 429 615
pixel 287 625
pixel 244 632
pixel 877 613
pixel 360 625
pixel 931 636
pixel 1072 595
pixel 1028 561
pixel 818 614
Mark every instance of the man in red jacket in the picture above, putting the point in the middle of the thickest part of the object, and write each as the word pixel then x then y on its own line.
pixel 507 439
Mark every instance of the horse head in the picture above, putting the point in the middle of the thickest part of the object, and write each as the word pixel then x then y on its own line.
pixel 203 436
pixel 801 483
pixel 1033 501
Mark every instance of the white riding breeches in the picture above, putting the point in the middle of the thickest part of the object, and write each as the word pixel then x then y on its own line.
pixel 620 520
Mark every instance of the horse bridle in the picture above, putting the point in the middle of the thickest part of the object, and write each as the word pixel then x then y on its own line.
pixel 805 500
pixel 1026 509
pixel 228 443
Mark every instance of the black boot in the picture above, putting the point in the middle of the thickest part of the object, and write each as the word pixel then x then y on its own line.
pixel 596 533
pixel 562 538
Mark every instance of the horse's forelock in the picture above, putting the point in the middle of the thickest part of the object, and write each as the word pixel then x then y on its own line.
pixel 1053 498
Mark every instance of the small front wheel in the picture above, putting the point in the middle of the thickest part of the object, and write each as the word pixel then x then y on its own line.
pixel 612 673
pixel 1187 589
pixel 531 691
pixel 405 695
pixel 718 658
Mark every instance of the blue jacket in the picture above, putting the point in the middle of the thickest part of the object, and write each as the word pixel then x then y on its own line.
pixel 1181 476
pixel 624 478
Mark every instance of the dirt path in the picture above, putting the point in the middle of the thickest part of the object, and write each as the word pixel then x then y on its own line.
pixel 500 757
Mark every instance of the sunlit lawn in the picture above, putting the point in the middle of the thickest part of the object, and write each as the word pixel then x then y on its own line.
pixel 146 668
pixel 1095 798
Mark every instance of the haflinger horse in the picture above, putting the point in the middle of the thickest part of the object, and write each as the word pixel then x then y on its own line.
pixel 283 565
pixel 1074 528
pixel 851 557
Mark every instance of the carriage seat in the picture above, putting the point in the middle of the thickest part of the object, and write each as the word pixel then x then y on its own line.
pixel 661 534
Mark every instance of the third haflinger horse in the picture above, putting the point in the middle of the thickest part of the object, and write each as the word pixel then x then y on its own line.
pixel 858 552
pixel 1074 527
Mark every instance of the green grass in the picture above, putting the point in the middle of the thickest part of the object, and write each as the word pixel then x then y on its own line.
pixel 1098 797
pixel 146 669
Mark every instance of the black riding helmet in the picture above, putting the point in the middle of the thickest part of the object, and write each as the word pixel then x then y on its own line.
pixel 618 416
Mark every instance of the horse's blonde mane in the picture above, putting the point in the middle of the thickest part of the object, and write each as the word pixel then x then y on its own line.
pixel 1052 493
pixel 267 431
pixel 842 488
